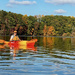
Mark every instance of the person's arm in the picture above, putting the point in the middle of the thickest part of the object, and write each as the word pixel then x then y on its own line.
pixel 18 38
pixel 11 38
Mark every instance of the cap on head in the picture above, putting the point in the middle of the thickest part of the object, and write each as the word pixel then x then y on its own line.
pixel 15 31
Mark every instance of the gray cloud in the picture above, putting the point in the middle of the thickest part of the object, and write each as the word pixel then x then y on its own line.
pixel 60 11
pixel 9 5
pixel 24 2
pixel 60 1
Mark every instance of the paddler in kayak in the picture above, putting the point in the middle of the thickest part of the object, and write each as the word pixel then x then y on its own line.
pixel 14 37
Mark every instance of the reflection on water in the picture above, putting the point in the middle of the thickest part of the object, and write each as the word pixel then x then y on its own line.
pixel 50 56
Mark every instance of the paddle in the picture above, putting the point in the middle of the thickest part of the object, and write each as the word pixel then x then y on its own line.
pixel 6 42
pixel 3 41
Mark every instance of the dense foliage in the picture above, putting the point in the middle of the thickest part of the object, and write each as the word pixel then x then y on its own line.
pixel 48 25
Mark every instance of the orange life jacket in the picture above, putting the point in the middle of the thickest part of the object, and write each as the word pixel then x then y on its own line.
pixel 16 38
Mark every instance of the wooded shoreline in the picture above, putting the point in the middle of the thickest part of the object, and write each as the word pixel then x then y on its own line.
pixel 38 25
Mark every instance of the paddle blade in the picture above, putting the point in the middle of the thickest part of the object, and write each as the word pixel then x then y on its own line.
pixel 1 41
pixel 6 42
pixel 35 40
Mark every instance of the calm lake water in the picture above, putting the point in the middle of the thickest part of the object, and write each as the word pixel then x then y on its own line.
pixel 50 56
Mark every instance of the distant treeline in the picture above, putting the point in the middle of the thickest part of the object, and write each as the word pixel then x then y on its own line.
pixel 49 25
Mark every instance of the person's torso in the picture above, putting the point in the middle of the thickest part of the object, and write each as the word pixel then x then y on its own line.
pixel 15 38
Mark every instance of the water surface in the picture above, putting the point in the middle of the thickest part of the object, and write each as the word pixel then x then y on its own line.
pixel 52 56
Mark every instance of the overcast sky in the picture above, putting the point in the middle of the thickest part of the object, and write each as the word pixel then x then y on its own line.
pixel 39 7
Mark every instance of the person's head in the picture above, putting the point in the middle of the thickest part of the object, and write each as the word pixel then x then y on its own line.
pixel 15 32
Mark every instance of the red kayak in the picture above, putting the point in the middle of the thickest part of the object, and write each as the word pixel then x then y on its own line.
pixel 25 44
pixel 20 44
